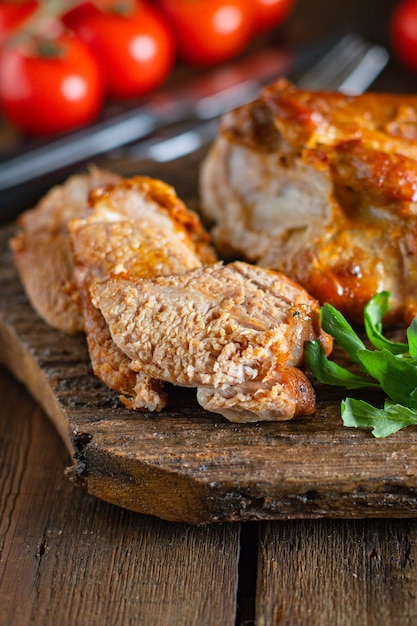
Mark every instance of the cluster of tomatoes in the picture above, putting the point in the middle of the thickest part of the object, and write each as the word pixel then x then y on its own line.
pixel 61 59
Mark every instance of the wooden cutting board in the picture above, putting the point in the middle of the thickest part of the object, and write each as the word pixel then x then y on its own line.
pixel 185 464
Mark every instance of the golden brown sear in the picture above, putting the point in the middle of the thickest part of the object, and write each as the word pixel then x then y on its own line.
pixel 42 251
pixel 234 332
pixel 136 228
pixel 157 307
pixel 323 187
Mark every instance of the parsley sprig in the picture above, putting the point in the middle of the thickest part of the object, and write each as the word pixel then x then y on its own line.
pixel 390 366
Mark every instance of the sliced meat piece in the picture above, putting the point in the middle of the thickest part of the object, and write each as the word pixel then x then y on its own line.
pixel 42 251
pixel 234 332
pixel 137 228
pixel 323 187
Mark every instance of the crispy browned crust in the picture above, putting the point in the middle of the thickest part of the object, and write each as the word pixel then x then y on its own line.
pixel 234 332
pixel 136 228
pixel 351 164
pixel 156 191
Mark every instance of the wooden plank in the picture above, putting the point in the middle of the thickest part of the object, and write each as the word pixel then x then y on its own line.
pixel 188 465
pixel 69 558
pixel 325 572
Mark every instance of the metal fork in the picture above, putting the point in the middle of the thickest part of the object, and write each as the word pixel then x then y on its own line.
pixel 187 117
pixel 350 67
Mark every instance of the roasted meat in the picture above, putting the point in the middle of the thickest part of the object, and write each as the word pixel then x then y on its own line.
pixel 136 228
pixel 323 187
pixel 42 252
pixel 157 307
pixel 235 332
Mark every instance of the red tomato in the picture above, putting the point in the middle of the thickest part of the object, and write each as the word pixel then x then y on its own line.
pixel 403 33
pixel 13 14
pixel 210 31
pixel 79 11
pixel 136 48
pixel 271 13
pixel 45 92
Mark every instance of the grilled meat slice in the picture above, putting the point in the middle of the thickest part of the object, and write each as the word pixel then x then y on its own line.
pixel 137 228
pixel 234 332
pixel 42 251
pixel 323 187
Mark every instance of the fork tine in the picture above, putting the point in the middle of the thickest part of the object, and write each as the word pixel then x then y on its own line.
pixel 333 62
pixel 350 67
pixel 366 71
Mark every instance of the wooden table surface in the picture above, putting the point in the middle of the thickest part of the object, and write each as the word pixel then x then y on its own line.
pixel 67 558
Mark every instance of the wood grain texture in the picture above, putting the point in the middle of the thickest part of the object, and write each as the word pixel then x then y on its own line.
pixel 188 465
pixel 69 558
pixel 341 572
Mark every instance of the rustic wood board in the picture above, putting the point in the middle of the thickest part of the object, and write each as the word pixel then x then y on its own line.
pixel 68 558
pixel 188 465
pixel 340 572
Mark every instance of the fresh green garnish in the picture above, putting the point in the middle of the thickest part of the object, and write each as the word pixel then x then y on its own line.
pixel 390 366
pixel 384 422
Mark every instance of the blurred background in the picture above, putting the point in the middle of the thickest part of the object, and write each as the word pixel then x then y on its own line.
pixel 68 65
pixel 313 19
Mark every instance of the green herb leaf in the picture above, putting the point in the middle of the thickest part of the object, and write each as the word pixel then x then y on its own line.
pixel 397 377
pixel 334 323
pixel 374 312
pixel 329 372
pixel 390 366
pixel 383 422
pixel 412 339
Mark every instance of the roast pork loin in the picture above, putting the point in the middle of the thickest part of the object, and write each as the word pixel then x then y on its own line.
pixel 321 186
pixel 234 332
